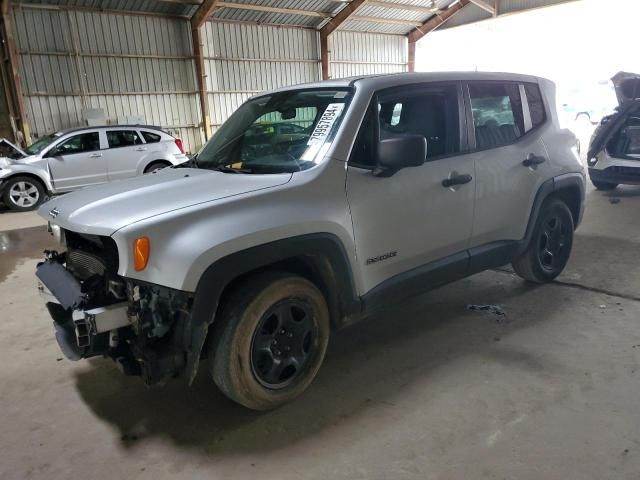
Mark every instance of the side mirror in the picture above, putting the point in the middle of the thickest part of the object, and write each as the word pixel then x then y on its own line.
pixel 400 152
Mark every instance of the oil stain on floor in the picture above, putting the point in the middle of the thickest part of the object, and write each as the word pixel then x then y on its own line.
pixel 17 246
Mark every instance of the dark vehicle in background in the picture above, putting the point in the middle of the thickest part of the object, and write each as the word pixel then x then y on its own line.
pixel 614 152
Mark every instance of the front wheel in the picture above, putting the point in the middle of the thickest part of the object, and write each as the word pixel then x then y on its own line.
pixel 548 251
pixel 23 193
pixel 270 341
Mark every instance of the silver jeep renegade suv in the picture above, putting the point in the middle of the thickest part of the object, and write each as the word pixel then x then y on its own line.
pixel 310 208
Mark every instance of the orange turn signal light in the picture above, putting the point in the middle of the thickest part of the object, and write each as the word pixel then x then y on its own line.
pixel 141 250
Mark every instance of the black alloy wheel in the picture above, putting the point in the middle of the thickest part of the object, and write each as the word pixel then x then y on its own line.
pixel 282 343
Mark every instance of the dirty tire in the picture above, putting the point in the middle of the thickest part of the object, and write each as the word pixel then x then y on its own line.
pixel 155 166
pixel 604 185
pixel 242 331
pixel 550 246
pixel 22 194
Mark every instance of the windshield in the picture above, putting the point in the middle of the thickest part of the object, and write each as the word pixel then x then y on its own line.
pixel 41 144
pixel 280 133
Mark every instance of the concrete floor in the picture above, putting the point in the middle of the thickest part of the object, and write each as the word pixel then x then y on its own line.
pixel 426 391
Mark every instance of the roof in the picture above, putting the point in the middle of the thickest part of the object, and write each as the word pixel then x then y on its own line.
pixel 376 16
pixel 376 82
pixel 96 127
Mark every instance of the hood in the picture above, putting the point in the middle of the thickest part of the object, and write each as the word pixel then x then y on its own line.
pixel 627 86
pixel 609 126
pixel 104 209
pixel 24 160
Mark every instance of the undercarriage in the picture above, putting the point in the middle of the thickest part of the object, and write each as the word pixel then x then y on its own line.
pixel 142 327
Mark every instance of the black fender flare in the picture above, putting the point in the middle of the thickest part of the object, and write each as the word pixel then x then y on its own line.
pixel 548 188
pixel 220 274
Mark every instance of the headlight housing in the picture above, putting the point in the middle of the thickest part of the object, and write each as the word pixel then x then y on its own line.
pixel 56 232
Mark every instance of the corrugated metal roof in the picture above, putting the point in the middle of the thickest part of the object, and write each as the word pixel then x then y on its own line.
pixel 472 13
pixel 371 27
pixel 147 6
pixel 267 18
pixel 272 18
pixel 469 14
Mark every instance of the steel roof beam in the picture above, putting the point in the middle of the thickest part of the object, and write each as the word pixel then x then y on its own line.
pixel 330 27
pixel 485 6
pixel 203 13
pixel 429 26
pixel 436 20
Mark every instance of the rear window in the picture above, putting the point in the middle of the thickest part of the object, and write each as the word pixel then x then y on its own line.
pixel 151 137
pixel 123 138
pixel 536 106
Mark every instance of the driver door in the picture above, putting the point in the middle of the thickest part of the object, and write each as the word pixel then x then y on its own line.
pixel 409 228
pixel 77 162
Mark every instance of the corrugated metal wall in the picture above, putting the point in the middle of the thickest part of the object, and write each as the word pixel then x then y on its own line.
pixel 128 65
pixel 355 53
pixel 142 66
pixel 244 59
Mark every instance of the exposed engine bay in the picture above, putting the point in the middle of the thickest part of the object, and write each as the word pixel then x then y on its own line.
pixel 96 312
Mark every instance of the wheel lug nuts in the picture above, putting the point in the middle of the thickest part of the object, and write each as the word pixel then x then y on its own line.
pixel 287 349
pixel 283 331
pixel 275 342
pixel 289 334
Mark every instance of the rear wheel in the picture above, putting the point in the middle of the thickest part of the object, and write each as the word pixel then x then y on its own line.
pixel 271 339
pixel 155 166
pixel 604 185
pixel 23 193
pixel 550 246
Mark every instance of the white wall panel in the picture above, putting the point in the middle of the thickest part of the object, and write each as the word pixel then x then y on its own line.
pixel 134 65
pixel 355 53
pixel 242 60
pixel 125 64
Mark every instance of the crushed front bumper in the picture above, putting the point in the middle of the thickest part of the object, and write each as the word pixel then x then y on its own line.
pixel 143 328
pixel 78 331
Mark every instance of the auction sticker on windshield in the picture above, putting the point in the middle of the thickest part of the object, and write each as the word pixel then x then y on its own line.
pixel 323 128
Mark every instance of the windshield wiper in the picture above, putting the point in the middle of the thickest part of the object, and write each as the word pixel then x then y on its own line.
pixel 191 163
pixel 227 169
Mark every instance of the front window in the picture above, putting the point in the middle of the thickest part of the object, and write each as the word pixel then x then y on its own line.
pixel 280 133
pixel 83 143
pixel 42 143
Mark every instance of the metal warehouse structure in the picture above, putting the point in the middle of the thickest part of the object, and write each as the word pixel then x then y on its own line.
pixel 187 64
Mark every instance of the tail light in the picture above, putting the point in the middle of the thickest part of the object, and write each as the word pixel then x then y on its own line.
pixel 179 145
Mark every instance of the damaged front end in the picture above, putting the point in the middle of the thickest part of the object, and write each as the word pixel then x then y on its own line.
pixel 142 327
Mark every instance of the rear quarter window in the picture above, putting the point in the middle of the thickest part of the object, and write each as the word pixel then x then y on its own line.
pixel 151 137
pixel 536 105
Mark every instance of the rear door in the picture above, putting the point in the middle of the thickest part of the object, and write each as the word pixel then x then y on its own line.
pixel 124 153
pixel 510 158
pixel 77 161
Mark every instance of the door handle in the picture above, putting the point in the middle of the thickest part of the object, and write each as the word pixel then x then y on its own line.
pixel 532 160
pixel 95 155
pixel 141 149
pixel 458 179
